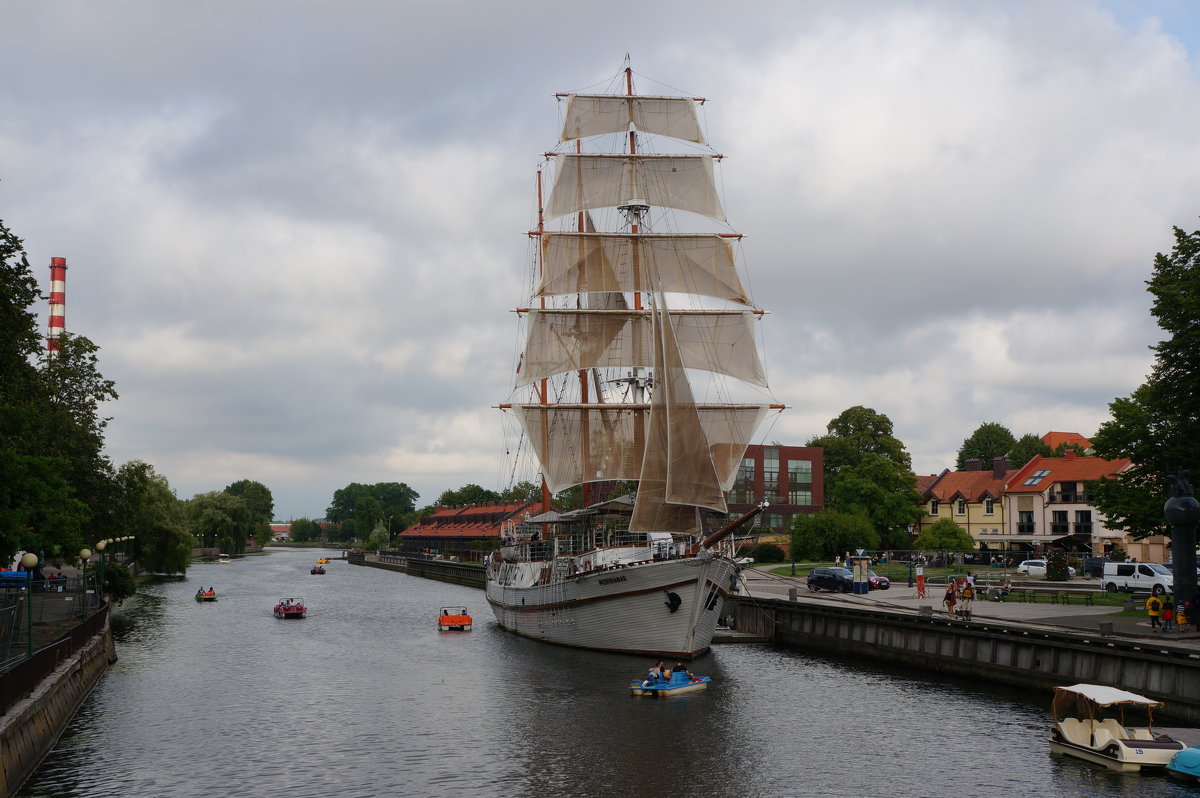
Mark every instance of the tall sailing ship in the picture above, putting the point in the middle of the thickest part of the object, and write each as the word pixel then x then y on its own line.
pixel 620 327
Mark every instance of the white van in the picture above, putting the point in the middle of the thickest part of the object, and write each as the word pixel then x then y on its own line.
pixel 1144 577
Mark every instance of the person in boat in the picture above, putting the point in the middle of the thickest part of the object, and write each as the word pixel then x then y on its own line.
pixel 656 673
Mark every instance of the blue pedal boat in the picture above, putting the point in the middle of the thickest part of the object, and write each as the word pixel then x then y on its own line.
pixel 679 684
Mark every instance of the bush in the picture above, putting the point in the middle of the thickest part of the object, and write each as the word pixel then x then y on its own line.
pixel 118 581
pixel 767 552
pixel 1056 566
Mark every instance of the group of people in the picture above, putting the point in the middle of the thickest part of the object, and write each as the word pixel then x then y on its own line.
pixel 659 674
pixel 960 594
pixel 1174 618
pixel 203 592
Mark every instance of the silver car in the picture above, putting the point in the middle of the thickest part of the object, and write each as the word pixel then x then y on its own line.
pixel 1037 568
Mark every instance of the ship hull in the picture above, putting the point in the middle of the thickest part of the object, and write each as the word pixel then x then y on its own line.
pixel 627 609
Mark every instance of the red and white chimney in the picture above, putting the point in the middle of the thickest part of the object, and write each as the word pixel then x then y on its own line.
pixel 58 303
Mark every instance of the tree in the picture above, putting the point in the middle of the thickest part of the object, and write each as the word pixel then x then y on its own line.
pixel 1025 448
pixel 304 530
pixel 395 500
pixel 1056 566
pixel 522 492
pixel 989 441
pixel 830 533
pixel 468 494
pixel 767 552
pixel 1158 425
pixel 260 505
pixel 869 472
pixel 149 511
pixel 944 535
pixel 215 518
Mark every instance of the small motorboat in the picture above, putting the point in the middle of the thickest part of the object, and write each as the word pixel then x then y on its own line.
pixel 317 569
pixel 323 561
pixel 223 559
pixel 290 608
pixel 681 682
pixel 454 619
pixel 206 595
pixel 1079 730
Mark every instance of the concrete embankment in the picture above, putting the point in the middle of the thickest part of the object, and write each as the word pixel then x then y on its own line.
pixel 460 573
pixel 1024 655
pixel 30 728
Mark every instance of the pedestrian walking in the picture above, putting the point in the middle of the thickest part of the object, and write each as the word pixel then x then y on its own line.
pixel 1168 617
pixel 949 600
pixel 968 596
pixel 1154 609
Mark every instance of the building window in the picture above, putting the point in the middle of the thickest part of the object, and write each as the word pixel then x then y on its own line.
pixel 799 497
pixel 933 506
pixel 960 508
pixel 1025 524
pixel 1037 476
pixel 989 506
pixel 800 472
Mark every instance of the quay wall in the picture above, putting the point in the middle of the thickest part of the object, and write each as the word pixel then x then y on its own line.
pixel 31 727
pixel 1019 655
pixel 470 574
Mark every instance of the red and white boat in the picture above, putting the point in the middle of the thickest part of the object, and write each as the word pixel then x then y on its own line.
pixel 454 619
pixel 290 608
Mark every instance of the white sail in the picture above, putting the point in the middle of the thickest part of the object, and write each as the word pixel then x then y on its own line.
pixel 581 263
pixel 596 114
pixel 595 443
pixel 589 182
pixel 568 340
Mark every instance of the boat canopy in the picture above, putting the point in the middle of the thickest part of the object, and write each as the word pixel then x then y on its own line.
pixel 1085 700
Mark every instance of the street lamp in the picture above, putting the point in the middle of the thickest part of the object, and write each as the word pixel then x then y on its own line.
pixel 100 548
pixel 389 531
pixel 83 556
pixel 29 561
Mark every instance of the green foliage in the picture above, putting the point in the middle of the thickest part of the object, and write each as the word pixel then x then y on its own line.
pixel 467 494
pixel 944 535
pixel 569 499
pixel 767 552
pixel 260 505
pixel 989 441
pixel 1158 425
pixel 149 510
pixel 1117 554
pixel 831 533
pixel 119 584
pixel 1026 448
pixel 522 492
pixel 263 533
pixel 856 433
pixel 1056 566
pixel 391 500
pixel 304 530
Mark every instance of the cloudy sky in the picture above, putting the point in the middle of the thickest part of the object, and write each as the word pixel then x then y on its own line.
pixel 296 228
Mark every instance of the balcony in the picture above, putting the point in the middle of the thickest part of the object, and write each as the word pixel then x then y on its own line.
pixel 1069 497
pixel 1026 529
pixel 1083 529
pixel 1060 529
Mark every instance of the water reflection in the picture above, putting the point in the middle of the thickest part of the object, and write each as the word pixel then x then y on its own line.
pixel 367 698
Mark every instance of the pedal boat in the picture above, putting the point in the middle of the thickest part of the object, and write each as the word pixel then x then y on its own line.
pixel 317 569
pixel 454 619
pixel 206 596
pixel 1080 731
pixel 679 684
pixel 290 608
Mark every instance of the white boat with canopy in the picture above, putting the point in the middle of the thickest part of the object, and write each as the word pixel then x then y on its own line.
pixel 1083 727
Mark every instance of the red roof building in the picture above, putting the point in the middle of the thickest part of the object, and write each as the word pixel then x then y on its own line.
pixel 450 531
pixel 1046 501
pixel 972 498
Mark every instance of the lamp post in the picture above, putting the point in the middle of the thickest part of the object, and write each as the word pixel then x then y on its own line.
pixel 100 547
pixel 29 561
pixel 83 556
pixel 389 532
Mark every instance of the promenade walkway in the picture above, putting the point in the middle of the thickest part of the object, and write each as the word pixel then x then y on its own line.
pixel 760 583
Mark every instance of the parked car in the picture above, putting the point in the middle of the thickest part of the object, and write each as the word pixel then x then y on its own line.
pixel 878 582
pixel 835 579
pixel 1037 568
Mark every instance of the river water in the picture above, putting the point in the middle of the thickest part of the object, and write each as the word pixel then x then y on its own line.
pixel 366 698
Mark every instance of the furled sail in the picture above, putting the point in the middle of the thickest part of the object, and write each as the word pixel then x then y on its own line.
pixel 568 340
pixel 580 263
pixel 597 114
pixel 678 473
pixel 612 449
pixel 588 182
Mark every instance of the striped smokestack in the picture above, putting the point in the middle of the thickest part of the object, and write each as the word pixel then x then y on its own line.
pixel 58 303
